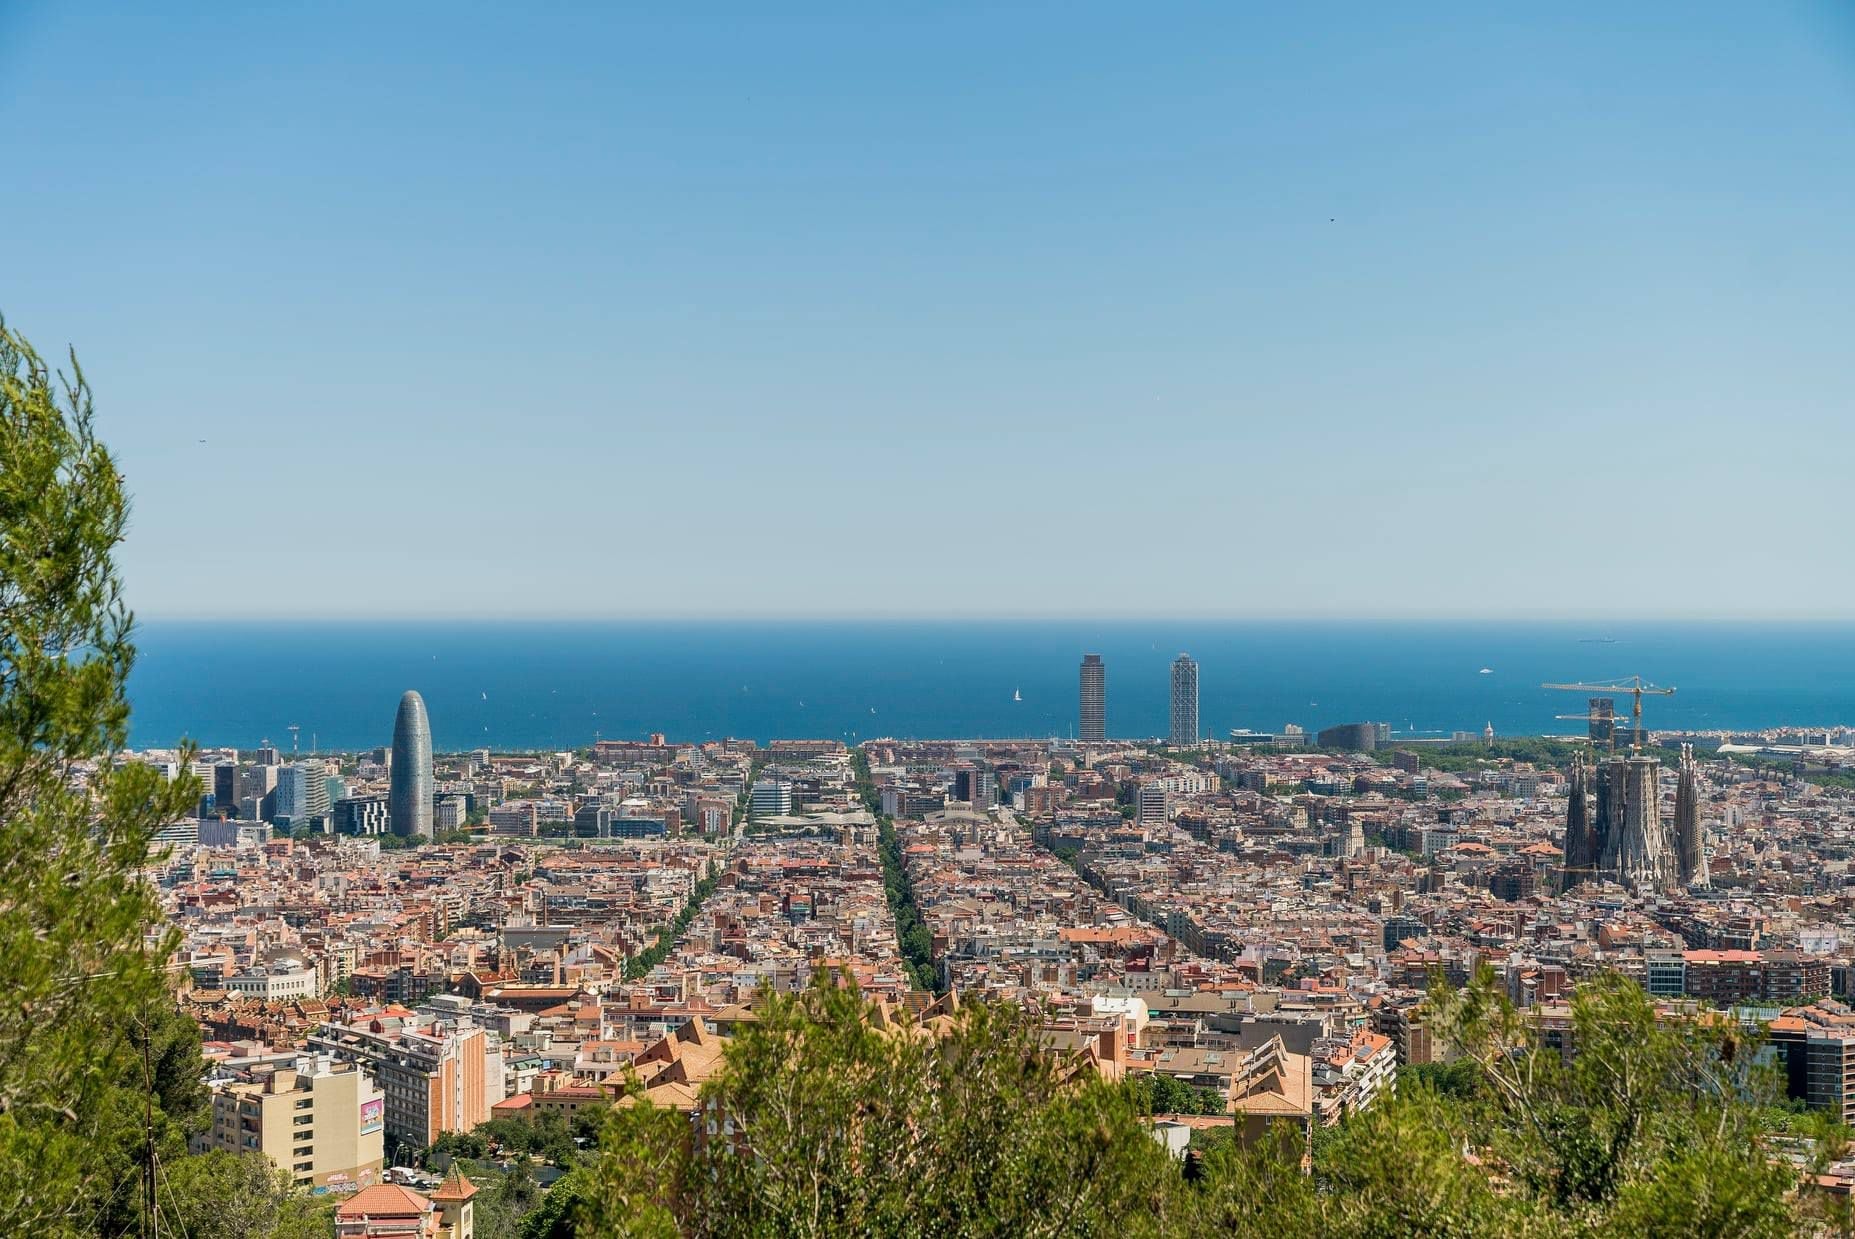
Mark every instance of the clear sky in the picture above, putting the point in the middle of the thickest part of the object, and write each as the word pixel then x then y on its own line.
pixel 1077 309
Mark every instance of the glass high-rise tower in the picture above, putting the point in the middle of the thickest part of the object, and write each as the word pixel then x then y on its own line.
pixel 1094 699
pixel 1184 732
pixel 409 790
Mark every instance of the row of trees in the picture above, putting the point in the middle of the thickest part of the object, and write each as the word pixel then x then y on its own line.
pixel 659 950
pixel 912 936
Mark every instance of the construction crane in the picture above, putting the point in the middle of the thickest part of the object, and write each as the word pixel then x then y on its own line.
pixel 1634 685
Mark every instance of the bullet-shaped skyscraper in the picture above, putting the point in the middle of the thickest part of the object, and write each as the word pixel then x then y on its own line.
pixel 409 791
pixel 1094 698
pixel 1184 732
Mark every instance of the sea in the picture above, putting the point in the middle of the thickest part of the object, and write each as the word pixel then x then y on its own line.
pixel 540 686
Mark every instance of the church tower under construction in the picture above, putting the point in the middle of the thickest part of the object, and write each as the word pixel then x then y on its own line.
pixel 1625 839
pixel 1690 858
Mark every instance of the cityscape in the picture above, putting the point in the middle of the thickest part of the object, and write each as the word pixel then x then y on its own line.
pixel 417 944
pixel 959 621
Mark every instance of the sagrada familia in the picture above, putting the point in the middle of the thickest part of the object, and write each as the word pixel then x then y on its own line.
pixel 1619 832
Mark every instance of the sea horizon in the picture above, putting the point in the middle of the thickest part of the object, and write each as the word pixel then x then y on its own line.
pixel 558 683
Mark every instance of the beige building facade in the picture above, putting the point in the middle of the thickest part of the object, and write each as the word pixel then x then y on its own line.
pixel 322 1121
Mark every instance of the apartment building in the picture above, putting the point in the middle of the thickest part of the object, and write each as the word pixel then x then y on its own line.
pixel 1815 1045
pixel 321 1121
pixel 435 1077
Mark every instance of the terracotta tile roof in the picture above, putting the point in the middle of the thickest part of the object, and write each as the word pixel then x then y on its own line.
pixel 383 1200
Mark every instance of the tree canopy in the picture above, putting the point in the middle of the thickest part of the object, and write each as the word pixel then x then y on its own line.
pixel 101 1077
pixel 829 1120
pixel 86 1028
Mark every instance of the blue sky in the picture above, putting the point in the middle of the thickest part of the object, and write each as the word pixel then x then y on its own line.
pixel 1068 309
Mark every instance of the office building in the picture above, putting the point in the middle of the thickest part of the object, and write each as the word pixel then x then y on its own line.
pixel 521 818
pixel 225 786
pixel 409 787
pixel 253 786
pixel 593 821
pixel 361 815
pixel 321 1122
pixel 182 833
pixel 217 833
pixel 1349 737
pixel 769 798
pixel 1184 732
pixel 301 797
pixel 978 788
pixel 449 813
pixel 1094 699
pixel 1665 973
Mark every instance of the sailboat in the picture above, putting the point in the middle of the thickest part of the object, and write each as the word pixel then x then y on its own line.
pixel 1016 695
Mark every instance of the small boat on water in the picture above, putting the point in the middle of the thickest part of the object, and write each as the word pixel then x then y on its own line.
pixel 1016 695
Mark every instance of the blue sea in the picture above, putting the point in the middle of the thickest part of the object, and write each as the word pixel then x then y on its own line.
pixel 510 685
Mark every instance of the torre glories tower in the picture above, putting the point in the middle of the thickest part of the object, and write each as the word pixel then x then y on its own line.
pixel 409 792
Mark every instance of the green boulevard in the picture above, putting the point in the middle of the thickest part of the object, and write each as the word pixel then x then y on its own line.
pixel 640 964
pixel 911 932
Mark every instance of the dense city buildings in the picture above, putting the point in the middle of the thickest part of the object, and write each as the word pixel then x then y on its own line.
pixel 409 799
pixel 1260 919
pixel 1094 700
pixel 1184 731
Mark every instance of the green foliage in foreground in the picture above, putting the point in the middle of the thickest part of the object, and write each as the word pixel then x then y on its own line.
pixel 821 1124
pixel 100 1074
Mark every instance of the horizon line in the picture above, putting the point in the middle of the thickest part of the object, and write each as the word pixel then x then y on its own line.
pixel 1598 623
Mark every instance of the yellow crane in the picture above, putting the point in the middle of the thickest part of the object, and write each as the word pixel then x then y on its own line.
pixel 1636 686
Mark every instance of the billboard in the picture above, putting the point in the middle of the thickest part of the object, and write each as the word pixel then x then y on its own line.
pixel 373 1116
